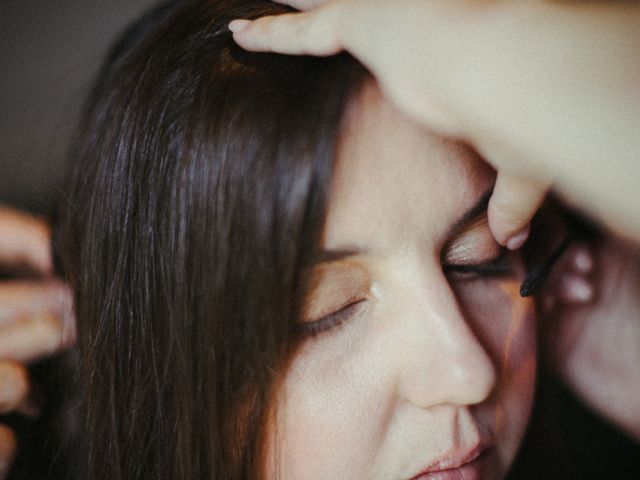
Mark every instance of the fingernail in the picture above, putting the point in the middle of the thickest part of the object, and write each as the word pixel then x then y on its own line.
pixel 579 289
pixel 519 239
pixel 583 260
pixel 238 25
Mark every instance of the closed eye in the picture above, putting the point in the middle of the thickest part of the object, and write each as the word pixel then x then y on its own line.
pixel 499 266
pixel 473 253
pixel 330 321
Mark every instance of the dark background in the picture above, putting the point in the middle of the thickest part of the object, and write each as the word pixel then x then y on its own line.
pixel 49 52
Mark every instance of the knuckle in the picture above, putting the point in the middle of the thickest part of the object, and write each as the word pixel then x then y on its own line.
pixel 261 26
pixel 509 191
pixel 334 19
pixel 268 26
pixel 303 24
pixel 288 26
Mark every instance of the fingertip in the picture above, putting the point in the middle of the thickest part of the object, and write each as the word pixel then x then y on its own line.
pixel 238 25
pixel 251 35
pixel 25 241
pixel 37 255
pixel 69 331
pixel 514 202
pixel 42 256
pixel 306 33
pixel 519 239
pixel 62 307
pixel 508 232
pixel 14 385
pixel 36 336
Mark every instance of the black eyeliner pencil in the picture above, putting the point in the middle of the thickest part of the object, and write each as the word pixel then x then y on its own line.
pixel 579 228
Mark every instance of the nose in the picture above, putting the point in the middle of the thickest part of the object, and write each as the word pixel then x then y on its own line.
pixel 442 361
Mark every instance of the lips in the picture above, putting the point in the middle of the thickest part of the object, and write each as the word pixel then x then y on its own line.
pixel 457 464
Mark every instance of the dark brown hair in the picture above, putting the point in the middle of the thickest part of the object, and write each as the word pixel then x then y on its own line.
pixel 197 193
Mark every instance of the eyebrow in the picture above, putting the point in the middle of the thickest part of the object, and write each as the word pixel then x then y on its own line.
pixel 328 256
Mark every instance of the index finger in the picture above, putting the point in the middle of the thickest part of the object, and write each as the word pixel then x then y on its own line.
pixel 514 202
pixel 314 32
pixel 24 241
pixel 302 4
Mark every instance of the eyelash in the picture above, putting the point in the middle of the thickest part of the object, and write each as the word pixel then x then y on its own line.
pixel 498 267
pixel 328 322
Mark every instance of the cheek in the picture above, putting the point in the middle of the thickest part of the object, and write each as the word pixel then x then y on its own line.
pixel 334 410
pixel 506 324
pixel 323 427
pixel 517 383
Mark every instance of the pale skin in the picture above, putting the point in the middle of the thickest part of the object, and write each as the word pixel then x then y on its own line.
pixel 430 360
pixel 546 91
pixel 35 316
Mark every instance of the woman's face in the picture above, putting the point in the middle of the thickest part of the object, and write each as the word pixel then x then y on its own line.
pixel 417 357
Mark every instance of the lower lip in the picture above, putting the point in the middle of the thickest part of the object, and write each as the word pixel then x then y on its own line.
pixel 469 471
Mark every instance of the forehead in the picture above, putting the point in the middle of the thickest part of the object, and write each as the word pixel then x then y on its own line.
pixel 396 181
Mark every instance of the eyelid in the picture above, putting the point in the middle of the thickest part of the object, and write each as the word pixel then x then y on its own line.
pixel 498 266
pixel 330 321
pixel 475 245
pixel 332 287
pixel 337 306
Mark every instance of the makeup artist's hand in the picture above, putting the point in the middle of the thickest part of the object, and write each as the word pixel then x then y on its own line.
pixel 35 316
pixel 545 91
pixel 591 328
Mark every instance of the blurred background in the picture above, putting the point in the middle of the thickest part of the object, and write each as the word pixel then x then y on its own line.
pixel 49 54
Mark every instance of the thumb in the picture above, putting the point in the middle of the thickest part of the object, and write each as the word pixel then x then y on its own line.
pixel 514 202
